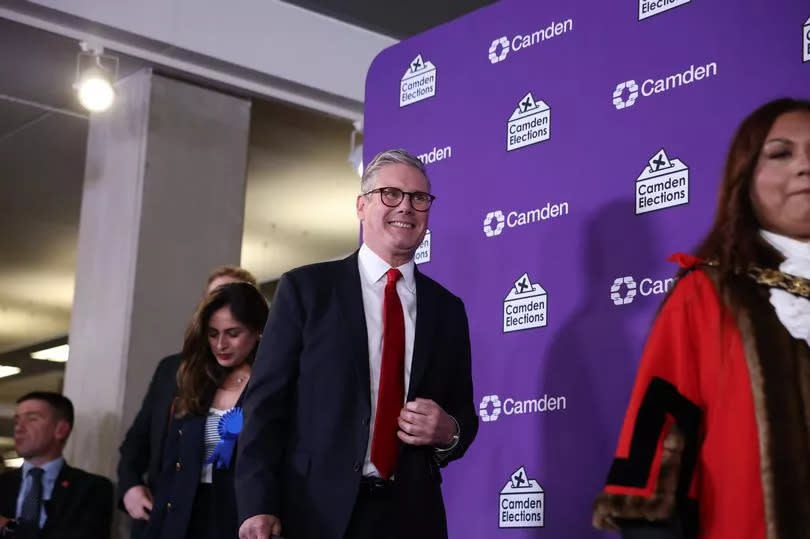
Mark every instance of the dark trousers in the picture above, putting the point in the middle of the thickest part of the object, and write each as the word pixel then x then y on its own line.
pixel 374 514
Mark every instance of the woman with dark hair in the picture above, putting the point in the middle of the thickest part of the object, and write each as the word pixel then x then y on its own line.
pixel 141 450
pixel 716 439
pixel 193 488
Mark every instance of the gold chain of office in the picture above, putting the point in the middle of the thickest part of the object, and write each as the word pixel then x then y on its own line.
pixel 798 286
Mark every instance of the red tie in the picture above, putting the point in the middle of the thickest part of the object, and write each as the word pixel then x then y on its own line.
pixel 391 395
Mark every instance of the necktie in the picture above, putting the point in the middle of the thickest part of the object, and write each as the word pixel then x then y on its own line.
pixel 391 395
pixel 32 503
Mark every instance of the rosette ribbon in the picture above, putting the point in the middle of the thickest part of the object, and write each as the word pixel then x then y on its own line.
pixel 229 427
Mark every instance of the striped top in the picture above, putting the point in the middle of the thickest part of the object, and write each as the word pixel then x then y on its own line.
pixel 211 439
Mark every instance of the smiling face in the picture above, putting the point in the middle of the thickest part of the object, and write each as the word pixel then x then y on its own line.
pixel 394 233
pixel 230 340
pixel 780 191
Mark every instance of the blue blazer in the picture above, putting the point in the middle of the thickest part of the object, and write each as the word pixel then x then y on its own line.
pixel 308 405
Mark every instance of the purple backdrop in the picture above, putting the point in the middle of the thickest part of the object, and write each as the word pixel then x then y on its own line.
pixel 551 117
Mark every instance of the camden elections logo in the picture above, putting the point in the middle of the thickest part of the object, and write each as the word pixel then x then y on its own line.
pixel 662 184
pixel 494 221
pixel 625 289
pixel 529 124
pixel 522 503
pixel 627 92
pixel 525 306
pixel 418 82
pixel 806 41
pixel 500 48
pixel 422 254
pixel 650 8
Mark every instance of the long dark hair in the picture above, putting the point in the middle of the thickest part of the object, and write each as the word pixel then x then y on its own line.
pixel 200 375
pixel 734 240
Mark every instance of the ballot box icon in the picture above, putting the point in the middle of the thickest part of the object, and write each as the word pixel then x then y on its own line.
pixel 525 306
pixel 418 82
pixel 522 503
pixel 529 124
pixel 662 184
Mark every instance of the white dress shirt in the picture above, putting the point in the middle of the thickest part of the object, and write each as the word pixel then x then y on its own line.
pixel 373 271
pixel 792 311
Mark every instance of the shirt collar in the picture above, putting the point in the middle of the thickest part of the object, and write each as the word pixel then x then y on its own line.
pixel 51 469
pixel 373 268
pixel 790 248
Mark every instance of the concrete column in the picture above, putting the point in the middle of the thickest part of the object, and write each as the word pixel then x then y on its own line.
pixel 163 203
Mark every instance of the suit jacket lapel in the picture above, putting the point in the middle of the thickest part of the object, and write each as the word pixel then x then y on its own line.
pixel 350 295
pixel 426 312
pixel 61 490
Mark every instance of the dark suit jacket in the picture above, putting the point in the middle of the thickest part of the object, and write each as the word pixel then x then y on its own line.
pixel 80 507
pixel 177 483
pixel 308 405
pixel 171 452
pixel 142 448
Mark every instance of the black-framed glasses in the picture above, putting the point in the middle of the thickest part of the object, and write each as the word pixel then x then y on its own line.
pixel 392 197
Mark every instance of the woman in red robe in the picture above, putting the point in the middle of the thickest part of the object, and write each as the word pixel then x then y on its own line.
pixel 716 439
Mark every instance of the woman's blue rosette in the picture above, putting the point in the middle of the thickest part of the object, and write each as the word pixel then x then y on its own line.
pixel 229 427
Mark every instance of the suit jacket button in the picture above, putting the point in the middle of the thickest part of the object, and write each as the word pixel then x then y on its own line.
pixel 169 506
pixel 365 421
pixel 179 432
pixel 177 466
pixel 357 466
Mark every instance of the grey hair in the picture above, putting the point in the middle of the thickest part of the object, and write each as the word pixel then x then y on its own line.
pixel 390 157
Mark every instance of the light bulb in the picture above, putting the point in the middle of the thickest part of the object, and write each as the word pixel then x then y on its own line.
pixel 96 94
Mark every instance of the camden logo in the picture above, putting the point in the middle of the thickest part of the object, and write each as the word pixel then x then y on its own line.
pixel 630 290
pixel 495 221
pixel 489 401
pixel 650 8
pixel 625 289
pixel 628 92
pixel 522 502
pixel 498 50
pixel 619 99
pixel 500 47
pixel 492 407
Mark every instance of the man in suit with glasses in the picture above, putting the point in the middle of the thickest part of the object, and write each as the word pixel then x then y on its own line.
pixel 362 386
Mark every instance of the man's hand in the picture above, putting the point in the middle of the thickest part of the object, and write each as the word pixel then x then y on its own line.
pixel 138 502
pixel 423 422
pixel 260 527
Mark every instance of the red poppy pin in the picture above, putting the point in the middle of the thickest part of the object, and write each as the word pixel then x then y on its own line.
pixel 65 484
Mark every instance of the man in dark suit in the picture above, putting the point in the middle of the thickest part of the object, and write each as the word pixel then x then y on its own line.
pixel 362 385
pixel 46 498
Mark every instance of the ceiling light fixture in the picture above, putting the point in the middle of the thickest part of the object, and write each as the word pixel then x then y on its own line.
pixel 96 73
pixel 356 149
pixel 6 370
pixel 58 354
